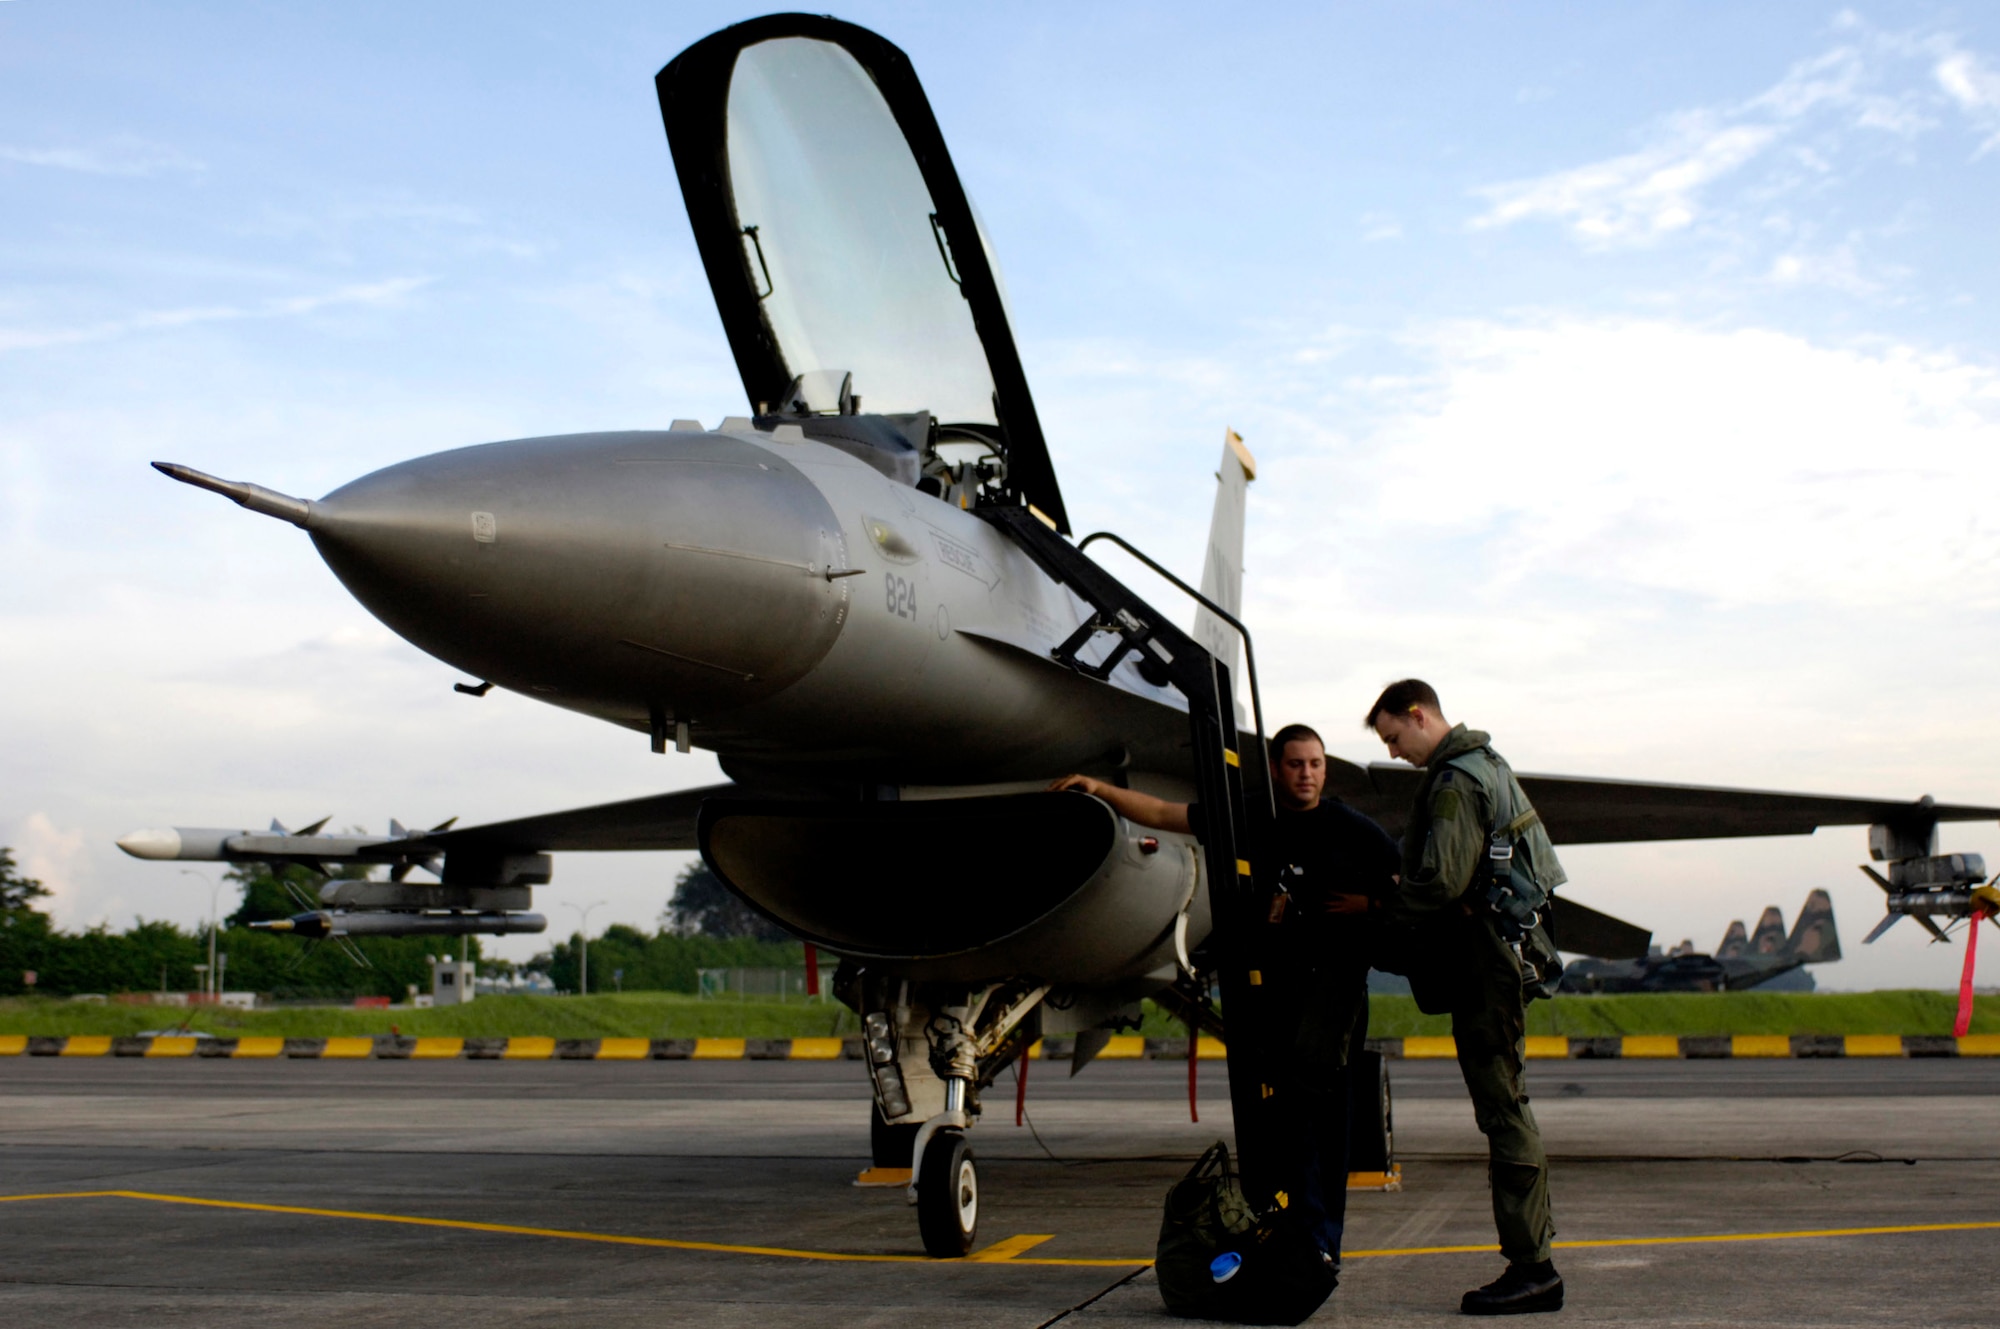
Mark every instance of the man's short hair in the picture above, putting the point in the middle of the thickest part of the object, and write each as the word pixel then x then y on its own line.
pixel 1292 733
pixel 1402 697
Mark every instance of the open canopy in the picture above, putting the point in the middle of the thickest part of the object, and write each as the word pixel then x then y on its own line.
pixel 845 258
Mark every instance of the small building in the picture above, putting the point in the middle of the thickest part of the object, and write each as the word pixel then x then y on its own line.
pixel 452 980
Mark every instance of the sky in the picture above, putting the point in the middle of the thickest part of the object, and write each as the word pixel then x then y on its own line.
pixel 1632 373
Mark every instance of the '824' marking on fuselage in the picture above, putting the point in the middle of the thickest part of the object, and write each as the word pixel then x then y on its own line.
pixel 900 595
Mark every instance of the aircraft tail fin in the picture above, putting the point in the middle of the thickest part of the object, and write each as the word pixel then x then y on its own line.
pixel 1814 939
pixel 1734 942
pixel 1769 938
pixel 1222 569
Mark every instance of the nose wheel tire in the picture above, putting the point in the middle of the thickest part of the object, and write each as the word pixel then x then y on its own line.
pixel 948 1196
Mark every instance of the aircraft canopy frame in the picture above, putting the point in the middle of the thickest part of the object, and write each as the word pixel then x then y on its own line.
pixel 843 253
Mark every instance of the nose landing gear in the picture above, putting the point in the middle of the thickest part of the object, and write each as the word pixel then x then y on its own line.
pixel 948 1195
pixel 930 1049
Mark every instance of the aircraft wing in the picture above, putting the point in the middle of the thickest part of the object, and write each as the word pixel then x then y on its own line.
pixel 1580 809
pixel 658 821
pixel 1576 809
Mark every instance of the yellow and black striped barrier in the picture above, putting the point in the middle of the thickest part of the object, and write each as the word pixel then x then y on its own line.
pixel 391 1047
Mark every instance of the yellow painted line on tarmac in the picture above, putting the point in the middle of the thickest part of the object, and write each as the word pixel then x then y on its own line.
pixel 1419 1046
pixel 528 1049
pixel 87 1045
pixel 560 1234
pixel 339 1048
pixel 1210 1049
pixel 1547 1047
pixel 437 1049
pixel 624 1049
pixel 259 1047
pixel 1009 1247
pixel 1701 1239
pixel 171 1045
pixel 1764 1045
pixel 13 1045
pixel 1001 1252
pixel 717 1049
pixel 1123 1047
pixel 1650 1045
pixel 817 1049
pixel 1874 1045
pixel 1979 1045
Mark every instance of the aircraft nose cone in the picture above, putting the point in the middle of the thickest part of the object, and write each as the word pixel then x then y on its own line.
pixel 619 574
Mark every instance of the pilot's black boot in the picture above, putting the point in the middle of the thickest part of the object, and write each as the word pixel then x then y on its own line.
pixel 1523 1290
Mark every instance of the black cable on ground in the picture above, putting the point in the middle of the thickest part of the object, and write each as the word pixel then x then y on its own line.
pixel 1091 1301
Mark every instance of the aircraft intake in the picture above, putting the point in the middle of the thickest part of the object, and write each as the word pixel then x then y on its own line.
pixel 1051 885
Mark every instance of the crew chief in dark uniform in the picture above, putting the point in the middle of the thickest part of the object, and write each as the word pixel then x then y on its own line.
pixel 1338 868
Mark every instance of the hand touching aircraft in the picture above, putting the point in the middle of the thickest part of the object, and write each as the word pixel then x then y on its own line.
pixel 861 597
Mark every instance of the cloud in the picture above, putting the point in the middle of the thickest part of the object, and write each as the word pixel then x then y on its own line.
pixel 1974 89
pixel 1886 84
pixel 51 855
pixel 117 157
pixel 1743 467
pixel 1838 267
pixel 1639 196
pixel 1378 226
pixel 373 293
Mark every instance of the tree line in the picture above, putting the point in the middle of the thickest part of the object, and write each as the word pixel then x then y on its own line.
pixel 704 926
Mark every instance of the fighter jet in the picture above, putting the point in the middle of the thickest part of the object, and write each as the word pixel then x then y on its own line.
pixel 1743 960
pixel 862 595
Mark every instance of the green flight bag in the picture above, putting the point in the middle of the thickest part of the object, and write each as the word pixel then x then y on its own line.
pixel 1218 1259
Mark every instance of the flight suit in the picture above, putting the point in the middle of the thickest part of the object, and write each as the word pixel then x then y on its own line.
pixel 1460 963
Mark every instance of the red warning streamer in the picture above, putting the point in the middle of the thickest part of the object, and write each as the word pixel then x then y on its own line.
pixel 1194 1050
pixel 1021 1084
pixel 1964 1021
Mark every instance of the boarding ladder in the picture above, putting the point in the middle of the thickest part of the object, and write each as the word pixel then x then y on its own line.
pixel 1238 898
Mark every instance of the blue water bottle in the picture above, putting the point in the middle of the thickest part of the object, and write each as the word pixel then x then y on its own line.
pixel 1224 1266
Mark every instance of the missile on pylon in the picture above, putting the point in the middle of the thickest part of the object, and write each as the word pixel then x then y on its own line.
pixel 1944 886
pixel 477 867
pixel 318 924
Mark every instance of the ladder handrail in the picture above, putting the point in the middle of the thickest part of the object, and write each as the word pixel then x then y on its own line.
pixel 1235 884
pixel 1249 650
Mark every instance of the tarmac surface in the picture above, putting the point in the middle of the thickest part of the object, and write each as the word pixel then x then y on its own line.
pixel 530 1193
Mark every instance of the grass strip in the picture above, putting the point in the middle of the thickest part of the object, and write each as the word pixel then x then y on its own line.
pixel 676 1015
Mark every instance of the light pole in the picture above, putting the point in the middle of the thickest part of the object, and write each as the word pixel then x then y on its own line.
pixel 583 940
pixel 208 971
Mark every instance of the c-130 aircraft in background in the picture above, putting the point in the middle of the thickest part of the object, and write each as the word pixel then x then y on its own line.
pixel 861 597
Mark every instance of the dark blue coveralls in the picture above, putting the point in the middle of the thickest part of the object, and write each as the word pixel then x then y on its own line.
pixel 1320 975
